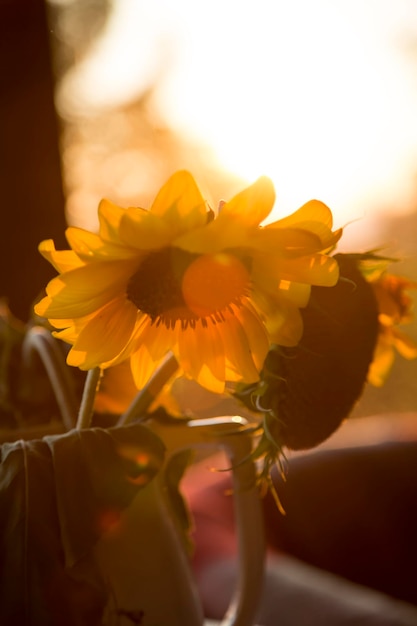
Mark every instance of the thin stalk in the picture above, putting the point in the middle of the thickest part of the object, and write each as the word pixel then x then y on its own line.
pixel 92 383
pixel 39 341
pixel 150 391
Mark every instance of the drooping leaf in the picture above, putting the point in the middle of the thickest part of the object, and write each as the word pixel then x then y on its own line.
pixel 57 496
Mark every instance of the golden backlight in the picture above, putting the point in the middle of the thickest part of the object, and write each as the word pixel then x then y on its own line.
pixel 320 96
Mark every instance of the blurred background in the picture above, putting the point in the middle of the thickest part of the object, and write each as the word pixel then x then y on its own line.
pixel 104 98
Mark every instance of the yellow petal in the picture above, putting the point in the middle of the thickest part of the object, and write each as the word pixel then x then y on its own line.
pixel 316 269
pixel 267 275
pixel 199 350
pixel 132 343
pixel 251 206
pixel 404 344
pixel 255 331
pixel 180 203
pixel 216 237
pixel 105 335
pixel 158 339
pixel 42 306
pixel 283 320
pixel 188 353
pixel 109 215
pixel 89 245
pixel 232 375
pixel 62 260
pixel 297 294
pixel 288 242
pixel 313 212
pixel 209 381
pixel 382 362
pixel 238 350
pixel 143 365
pixel 142 230
pixel 201 361
pixel 212 348
pixel 117 390
pixel 68 335
pixel 236 224
pixel 85 289
pixel 285 326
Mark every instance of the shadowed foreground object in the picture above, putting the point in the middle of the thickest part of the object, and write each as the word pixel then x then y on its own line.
pixel 325 374
pixel 309 389
pixel 344 552
pixel 352 512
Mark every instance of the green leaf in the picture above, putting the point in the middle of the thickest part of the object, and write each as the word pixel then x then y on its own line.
pixel 57 496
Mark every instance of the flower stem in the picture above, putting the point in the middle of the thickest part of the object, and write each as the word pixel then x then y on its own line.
pixel 147 395
pixel 91 386
pixel 39 341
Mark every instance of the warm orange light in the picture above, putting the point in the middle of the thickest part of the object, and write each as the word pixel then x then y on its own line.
pixel 214 281
pixel 319 96
pixel 108 520
pixel 140 464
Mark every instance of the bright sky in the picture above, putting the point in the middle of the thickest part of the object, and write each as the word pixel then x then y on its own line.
pixel 320 95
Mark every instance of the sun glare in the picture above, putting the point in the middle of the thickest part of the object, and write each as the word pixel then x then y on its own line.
pixel 320 96
pixel 305 93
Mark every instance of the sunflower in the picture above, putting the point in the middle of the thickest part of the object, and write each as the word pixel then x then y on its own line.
pixel 215 291
pixel 395 308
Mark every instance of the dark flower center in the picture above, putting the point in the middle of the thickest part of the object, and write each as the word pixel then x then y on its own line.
pixel 174 285
pixel 156 287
